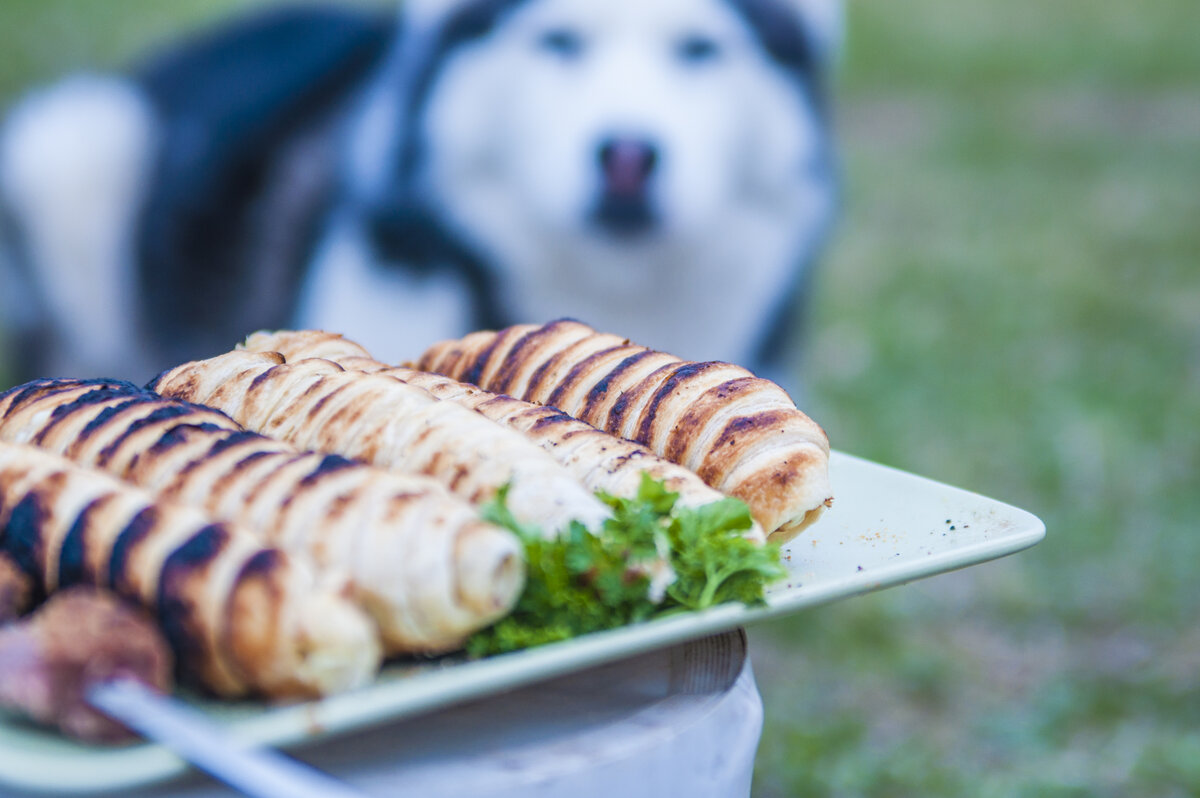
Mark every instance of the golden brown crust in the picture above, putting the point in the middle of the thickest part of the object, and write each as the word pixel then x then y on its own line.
pixel 600 461
pixel 65 525
pixel 315 404
pixel 742 434
pixel 320 506
pixel 302 344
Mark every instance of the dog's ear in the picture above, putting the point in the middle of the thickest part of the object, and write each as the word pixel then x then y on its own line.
pixel 825 22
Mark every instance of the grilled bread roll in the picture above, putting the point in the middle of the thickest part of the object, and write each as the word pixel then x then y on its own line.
pixel 600 461
pixel 743 435
pixel 419 560
pixel 241 618
pixel 316 404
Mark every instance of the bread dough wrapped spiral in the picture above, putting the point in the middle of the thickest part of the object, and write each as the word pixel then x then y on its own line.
pixel 419 560
pixel 316 404
pixel 600 461
pixel 742 434
pixel 240 617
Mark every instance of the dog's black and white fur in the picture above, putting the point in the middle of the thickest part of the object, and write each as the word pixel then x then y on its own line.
pixel 659 169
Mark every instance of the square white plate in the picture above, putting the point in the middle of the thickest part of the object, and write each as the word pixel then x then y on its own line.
pixel 886 527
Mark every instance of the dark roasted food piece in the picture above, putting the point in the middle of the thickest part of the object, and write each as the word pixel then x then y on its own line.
pixel 418 559
pixel 600 461
pixel 316 404
pixel 742 434
pixel 16 590
pixel 240 617
pixel 78 638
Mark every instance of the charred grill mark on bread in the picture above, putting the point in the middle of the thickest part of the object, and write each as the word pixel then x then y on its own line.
pixel 176 611
pixel 71 524
pixel 329 464
pixel 476 368
pixel 574 374
pixel 197 456
pixel 698 413
pixel 71 564
pixel 382 420
pixel 156 416
pixel 564 354
pixel 128 539
pixel 64 411
pixel 598 393
pixel 22 539
pixel 257 585
pixel 240 438
pixel 500 347
pixel 665 390
pixel 506 374
pixel 600 461
pixel 519 366
pixel 18 395
pixel 742 434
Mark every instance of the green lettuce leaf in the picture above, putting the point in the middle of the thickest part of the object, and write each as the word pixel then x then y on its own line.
pixel 583 582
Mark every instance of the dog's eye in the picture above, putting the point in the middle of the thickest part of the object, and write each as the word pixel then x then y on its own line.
pixel 562 42
pixel 697 49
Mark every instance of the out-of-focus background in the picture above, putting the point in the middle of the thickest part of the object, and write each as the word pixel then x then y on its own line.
pixel 1011 304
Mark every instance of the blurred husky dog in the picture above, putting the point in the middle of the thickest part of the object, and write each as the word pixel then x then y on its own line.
pixel 662 169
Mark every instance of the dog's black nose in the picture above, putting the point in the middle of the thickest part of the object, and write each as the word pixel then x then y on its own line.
pixel 627 164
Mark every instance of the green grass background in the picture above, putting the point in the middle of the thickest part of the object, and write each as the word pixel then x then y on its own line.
pixel 1011 304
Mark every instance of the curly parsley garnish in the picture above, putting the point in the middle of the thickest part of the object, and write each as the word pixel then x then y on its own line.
pixel 650 559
